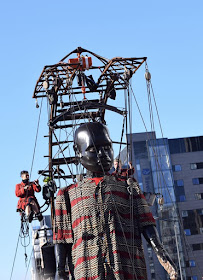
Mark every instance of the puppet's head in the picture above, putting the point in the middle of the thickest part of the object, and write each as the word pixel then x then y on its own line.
pixel 93 146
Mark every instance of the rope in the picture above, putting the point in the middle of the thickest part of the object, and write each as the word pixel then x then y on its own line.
pixel 102 205
pixel 63 155
pixel 36 137
pixel 149 85
pixel 29 263
pixel 15 256
pixel 131 188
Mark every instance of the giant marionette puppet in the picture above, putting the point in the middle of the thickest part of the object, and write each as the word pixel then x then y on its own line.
pixel 104 217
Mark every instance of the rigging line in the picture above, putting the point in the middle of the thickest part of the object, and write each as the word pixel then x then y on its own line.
pixel 131 205
pixel 59 181
pixel 159 120
pixel 80 216
pixel 130 120
pixel 150 84
pixel 153 129
pixel 36 137
pixel 68 144
pixel 74 122
pixel 156 160
pixel 71 166
pixel 23 237
pixel 115 207
pixel 152 146
pixel 156 110
pixel 153 95
pixel 29 263
pixel 116 210
pixel 25 253
pixel 185 240
pixel 126 123
pixel 63 156
pixel 93 141
pixel 15 255
pixel 178 214
pixel 58 151
pixel 122 132
pixel 120 222
pixel 140 111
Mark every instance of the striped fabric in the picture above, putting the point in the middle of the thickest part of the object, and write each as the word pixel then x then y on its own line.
pixel 104 222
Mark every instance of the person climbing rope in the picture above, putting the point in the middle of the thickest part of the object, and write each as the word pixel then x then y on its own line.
pixel 28 202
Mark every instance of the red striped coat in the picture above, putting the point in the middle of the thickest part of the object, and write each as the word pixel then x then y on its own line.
pixel 104 221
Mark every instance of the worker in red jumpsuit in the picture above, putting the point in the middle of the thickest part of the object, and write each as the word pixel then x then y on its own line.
pixel 28 202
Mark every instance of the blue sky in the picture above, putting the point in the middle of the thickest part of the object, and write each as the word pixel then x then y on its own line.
pixel 37 33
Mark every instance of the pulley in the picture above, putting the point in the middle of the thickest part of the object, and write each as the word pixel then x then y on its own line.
pixel 147 75
pixel 46 83
pixel 36 103
pixel 127 74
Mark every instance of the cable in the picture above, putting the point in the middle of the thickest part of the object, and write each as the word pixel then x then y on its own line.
pixel 15 256
pixel 29 263
pixel 36 137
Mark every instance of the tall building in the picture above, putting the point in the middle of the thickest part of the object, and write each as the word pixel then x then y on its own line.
pixel 173 169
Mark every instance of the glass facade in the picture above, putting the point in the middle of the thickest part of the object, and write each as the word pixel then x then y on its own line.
pixel 162 170
pixel 139 173
pixel 162 173
pixel 153 159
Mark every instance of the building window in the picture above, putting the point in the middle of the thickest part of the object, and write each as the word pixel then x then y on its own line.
pixel 194 277
pixel 182 198
pixel 176 167
pixel 193 166
pixel 187 231
pixel 192 263
pixel 184 213
pixel 198 196
pixel 196 247
pixel 198 165
pixel 179 183
pixel 197 181
pixel 201 230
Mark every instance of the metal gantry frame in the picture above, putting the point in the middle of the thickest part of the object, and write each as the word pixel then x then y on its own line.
pixel 58 81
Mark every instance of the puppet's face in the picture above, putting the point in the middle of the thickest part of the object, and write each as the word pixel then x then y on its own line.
pixel 94 147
